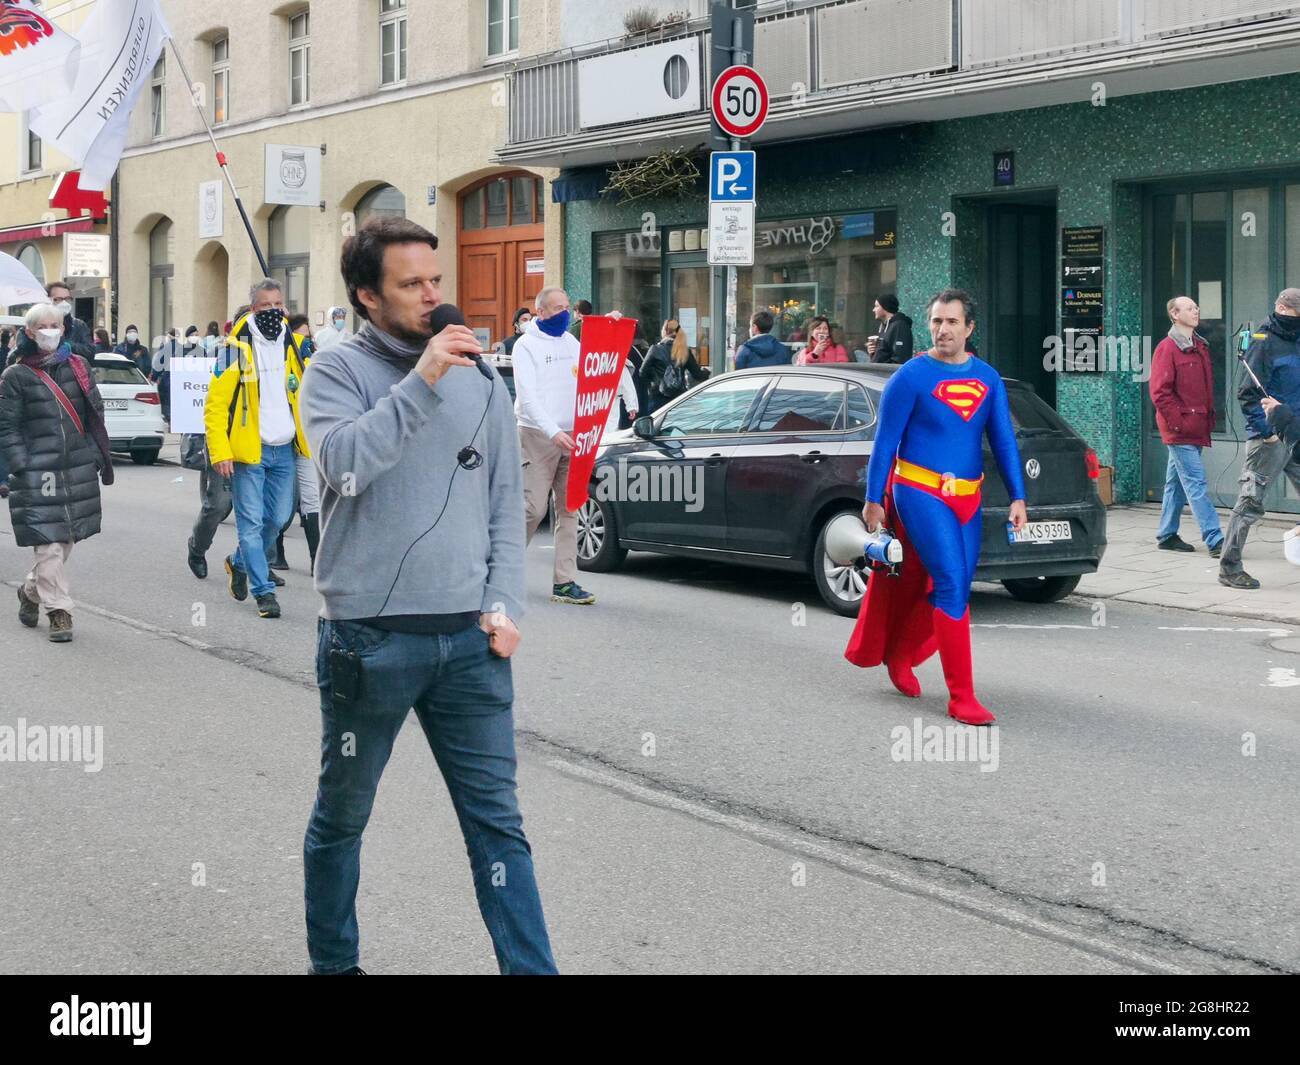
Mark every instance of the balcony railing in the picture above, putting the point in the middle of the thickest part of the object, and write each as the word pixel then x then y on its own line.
pixel 808 51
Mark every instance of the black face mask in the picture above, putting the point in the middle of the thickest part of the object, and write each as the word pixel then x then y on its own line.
pixel 1286 325
pixel 269 323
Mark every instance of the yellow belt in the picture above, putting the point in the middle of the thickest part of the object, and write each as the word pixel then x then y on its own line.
pixel 949 486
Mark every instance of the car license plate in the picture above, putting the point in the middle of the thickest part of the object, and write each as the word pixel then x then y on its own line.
pixel 1040 532
pixel 115 404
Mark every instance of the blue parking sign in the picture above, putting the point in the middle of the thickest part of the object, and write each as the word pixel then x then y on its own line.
pixel 731 177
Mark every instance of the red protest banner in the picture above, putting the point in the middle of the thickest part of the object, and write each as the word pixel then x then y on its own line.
pixel 605 344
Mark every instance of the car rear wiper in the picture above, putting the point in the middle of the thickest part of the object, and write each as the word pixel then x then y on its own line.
pixel 1038 430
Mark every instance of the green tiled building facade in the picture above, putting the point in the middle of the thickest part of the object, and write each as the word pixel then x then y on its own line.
pixel 1163 173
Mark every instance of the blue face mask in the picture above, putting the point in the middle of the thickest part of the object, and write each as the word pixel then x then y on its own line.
pixel 339 323
pixel 555 325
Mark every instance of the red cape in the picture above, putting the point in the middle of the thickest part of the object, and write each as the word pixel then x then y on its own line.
pixel 896 620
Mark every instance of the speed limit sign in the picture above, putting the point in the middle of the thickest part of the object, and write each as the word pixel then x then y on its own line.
pixel 740 101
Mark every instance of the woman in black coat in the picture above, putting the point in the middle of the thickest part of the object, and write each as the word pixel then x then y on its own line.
pixel 53 441
pixel 671 352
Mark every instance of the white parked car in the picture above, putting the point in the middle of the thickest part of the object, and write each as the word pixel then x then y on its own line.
pixel 132 409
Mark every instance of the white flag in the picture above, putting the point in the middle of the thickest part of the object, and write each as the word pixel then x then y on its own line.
pixel 120 43
pixel 38 61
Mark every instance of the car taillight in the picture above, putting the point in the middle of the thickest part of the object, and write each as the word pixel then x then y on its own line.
pixel 147 397
pixel 1094 463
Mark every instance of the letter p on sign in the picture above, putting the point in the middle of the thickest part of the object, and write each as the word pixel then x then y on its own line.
pixel 731 177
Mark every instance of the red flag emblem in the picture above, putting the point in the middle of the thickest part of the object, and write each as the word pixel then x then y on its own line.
pixel 964 397
pixel 20 27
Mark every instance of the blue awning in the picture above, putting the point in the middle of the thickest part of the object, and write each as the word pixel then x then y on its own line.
pixel 578 185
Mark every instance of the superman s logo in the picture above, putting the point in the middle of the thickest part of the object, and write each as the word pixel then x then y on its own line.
pixel 964 397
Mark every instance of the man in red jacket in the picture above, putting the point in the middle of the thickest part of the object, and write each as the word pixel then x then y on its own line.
pixel 1182 389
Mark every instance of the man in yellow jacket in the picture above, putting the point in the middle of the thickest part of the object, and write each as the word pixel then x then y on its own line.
pixel 254 434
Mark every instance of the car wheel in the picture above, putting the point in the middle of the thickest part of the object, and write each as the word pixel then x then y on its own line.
pixel 841 587
pixel 598 550
pixel 144 456
pixel 1041 589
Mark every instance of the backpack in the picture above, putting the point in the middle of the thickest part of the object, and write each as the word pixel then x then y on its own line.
pixel 673 382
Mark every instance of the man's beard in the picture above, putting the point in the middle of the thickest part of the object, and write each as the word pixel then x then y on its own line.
pixel 407 336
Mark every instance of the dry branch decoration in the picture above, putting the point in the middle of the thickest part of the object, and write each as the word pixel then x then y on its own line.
pixel 672 172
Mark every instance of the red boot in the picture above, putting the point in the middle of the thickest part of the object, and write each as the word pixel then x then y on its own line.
pixel 913 646
pixel 953 637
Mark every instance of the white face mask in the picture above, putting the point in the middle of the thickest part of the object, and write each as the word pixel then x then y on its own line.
pixel 48 339
pixel 63 307
pixel 132 337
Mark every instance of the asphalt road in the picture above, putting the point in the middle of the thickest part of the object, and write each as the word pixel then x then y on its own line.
pixel 707 784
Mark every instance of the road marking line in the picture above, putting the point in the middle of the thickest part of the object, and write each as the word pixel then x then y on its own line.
pixel 788 841
pixel 1222 628
pixel 1010 625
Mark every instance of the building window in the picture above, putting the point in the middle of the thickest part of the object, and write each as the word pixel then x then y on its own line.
pixel 299 59
pixel 290 257
pixel 384 200
pixel 158 95
pixel 221 81
pixel 162 247
pixel 503 27
pixel 392 42
pixel 503 201
pixel 832 265
pixel 34 159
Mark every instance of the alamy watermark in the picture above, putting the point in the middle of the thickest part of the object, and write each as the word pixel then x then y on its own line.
pixel 640 482
pixel 945 743
pixel 53 743
pixel 1076 352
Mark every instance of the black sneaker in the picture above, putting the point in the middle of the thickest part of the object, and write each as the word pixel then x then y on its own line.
pixel 277 581
pixel 238 581
pixel 571 593
pixel 1216 550
pixel 268 606
pixel 1174 543
pixel 356 970
pixel 29 610
pixel 198 563
pixel 1241 579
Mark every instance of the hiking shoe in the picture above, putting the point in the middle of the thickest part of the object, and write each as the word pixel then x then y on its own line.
pixel 1238 580
pixel 238 581
pixel 268 606
pixel 277 581
pixel 60 626
pixel 571 593
pixel 198 563
pixel 29 610
pixel 1174 543
pixel 1216 550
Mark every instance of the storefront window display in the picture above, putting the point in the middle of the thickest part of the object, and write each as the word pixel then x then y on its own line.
pixel 820 264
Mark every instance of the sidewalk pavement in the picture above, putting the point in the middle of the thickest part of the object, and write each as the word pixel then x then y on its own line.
pixel 1134 570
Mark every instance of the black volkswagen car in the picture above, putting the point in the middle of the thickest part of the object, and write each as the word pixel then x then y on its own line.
pixel 750 467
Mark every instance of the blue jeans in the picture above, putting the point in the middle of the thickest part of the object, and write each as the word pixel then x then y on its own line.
pixel 263 498
pixel 463 697
pixel 1185 483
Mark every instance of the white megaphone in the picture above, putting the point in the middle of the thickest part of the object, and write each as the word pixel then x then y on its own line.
pixel 849 544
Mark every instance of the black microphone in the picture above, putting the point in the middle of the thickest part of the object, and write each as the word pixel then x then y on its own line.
pixel 446 314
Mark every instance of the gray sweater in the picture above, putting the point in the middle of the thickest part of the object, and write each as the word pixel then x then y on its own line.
pixel 385 447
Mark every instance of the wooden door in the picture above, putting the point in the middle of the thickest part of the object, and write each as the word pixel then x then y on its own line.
pixel 482 287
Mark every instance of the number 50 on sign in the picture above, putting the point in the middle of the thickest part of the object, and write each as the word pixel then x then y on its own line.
pixel 740 101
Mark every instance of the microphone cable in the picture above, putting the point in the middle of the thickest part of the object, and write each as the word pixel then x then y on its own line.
pixel 466 459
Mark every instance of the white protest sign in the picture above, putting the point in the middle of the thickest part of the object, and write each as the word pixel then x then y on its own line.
pixel 190 378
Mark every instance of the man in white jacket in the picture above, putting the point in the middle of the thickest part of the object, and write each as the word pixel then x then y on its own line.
pixel 546 390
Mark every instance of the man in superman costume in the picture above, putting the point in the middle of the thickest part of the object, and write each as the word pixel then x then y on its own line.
pixel 923 482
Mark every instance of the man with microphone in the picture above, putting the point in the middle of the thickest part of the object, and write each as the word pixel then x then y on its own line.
pixel 421 567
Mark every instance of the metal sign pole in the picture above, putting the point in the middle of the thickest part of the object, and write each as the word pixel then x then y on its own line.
pixel 739 57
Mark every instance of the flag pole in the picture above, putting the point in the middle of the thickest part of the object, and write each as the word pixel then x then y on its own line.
pixel 221 161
